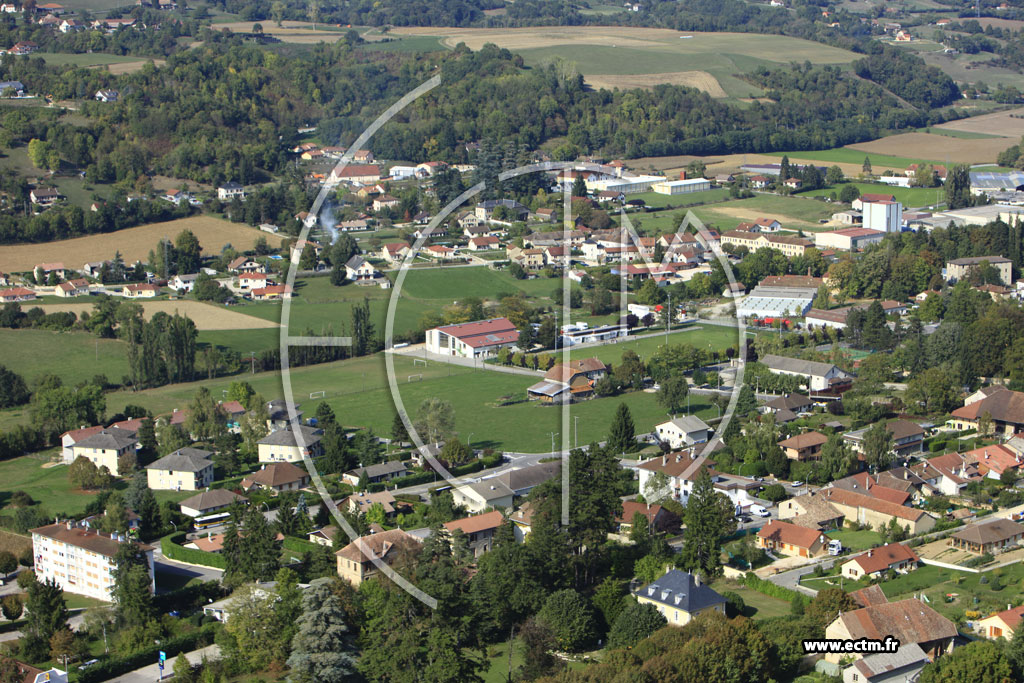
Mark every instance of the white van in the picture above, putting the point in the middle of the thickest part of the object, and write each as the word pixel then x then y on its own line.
pixel 760 511
pixel 835 547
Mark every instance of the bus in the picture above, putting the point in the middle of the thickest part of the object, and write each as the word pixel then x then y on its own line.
pixel 211 520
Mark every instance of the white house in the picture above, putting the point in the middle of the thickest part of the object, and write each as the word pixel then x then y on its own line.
pixel 477 339
pixel 183 283
pixel 819 376
pixel 357 268
pixel 229 191
pixel 680 432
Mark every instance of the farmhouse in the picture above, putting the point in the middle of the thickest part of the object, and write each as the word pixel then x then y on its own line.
pixel 509 208
pixel 961 268
pixel 865 509
pixel 479 339
pixel 682 469
pixel 484 243
pixel 478 529
pixel 818 376
pixel 790 539
pixel 991 537
pixel 79 559
pixel 806 446
pixel 355 173
pixel 283 446
pixel 386 201
pixel 895 557
pixel 186 469
pixel 44 270
pixel 208 502
pixel 680 432
pixel 358 560
pixel 1003 406
pixel 277 477
pixel 680 597
pixel 1001 624
pixel 183 283
pixel 140 291
pixel 105 448
pixel 812 512
pixel 911 621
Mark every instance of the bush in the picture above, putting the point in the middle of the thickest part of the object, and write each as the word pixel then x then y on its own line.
pixel 110 668
pixel 774 493
pixel 979 561
pixel 172 550
pixel 755 582
pixel 635 623
pixel 734 604
pixel 937 446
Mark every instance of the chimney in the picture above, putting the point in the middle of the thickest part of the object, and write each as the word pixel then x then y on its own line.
pixel 648 506
pixel 871 553
pixel 682 175
pixel 664 460
pixel 906 473
pixel 679 456
pixel 696 579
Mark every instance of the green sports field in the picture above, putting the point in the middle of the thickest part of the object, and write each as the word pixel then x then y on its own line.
pixel 908 196
pixel 712 337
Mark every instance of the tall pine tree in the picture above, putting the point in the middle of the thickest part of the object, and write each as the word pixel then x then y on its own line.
pixel 708 516
pixel 622 437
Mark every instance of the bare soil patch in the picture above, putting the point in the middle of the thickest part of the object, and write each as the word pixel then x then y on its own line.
pixel 206 316
pixel 133 243
pixel 747 215
pixel 701 80
pixel 928 146
pixel 999 123
pixel 132 67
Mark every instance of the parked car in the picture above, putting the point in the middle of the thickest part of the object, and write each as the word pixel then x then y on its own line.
pixel 760 511
pixel 797 483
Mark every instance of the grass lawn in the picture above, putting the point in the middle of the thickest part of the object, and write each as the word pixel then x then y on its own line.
pixel 857 540
pixel 85 59
pixel 242 341
pixel 405 44
pixel 908 196
pixel 759 605
pixel 48 485
pixel 793 211
pixel 496 665
pixel 81 356
pixel 659 200
pixel 75 601
pixel 710 336
pixel 972 594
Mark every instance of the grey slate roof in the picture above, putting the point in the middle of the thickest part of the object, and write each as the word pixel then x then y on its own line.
pixel 679 590
pixel 380 470
pixel 278 410
pixel 183 460
pixel 355 262
pixel 112 438
pixel 689 423
pixel 286 437
pixel 214 498
pixel 526 478
pixel 789 402
pixel 910 655
pixel 796 365
pixel 490 489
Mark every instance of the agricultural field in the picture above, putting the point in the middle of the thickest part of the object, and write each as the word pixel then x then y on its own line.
pixel 941 147
pixel 88 59
pixel 133 243
pixel 1005 123
pixel 301 32
pixel 964 68
pixel 854 158
pixel 629 57
pixel 206 316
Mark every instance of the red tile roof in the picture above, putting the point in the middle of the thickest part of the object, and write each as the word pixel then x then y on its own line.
pixel 477 523
pixel 880 559
pixel 483 332
pixel 791 534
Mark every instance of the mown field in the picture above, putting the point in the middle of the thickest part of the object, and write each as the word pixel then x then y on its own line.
pixel 908 196
pixel 626 57
pixel 205 315
pixel 133 243
pixel 74 356
pixel 713 337
pixel 793 212
pixel 941 147
pixel 88 59
pixel 1006 123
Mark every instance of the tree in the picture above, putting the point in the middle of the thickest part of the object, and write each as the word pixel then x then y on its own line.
pixel 12 606
pixel 1015 653
pixel 435 420
pixel 933 390
pixel 206 419
pixel 622 435
pixel 746 403
pixel 252 628
pixel 570 619
pixel 83 474
pixel 958 187
pixel 848 194
pixel 455 452
pixel 321 649
pixel 635 623
pixel 785 172
pixel 579 186
pixel 673 392
pixel 878 446
pixel 115 515
pixel 982 660
pixel 46 615
pixel 827 605
pixel 13 391
pixel 8 563
pixel 836 460
pixel 182 669
pixel 188 252
pixel 539 645
pixel 866 166
pixel 833 175
pixel 132 592
pixel 709 516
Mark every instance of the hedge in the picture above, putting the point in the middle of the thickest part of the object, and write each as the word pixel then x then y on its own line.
pixel 485 462
pixel 191 597
pixel 109 668
pixel 755 582
pixel 298 545
pixel 173 551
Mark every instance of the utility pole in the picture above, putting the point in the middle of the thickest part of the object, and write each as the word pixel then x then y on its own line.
pixel 668 318
pixel 252 361
pixel 575 434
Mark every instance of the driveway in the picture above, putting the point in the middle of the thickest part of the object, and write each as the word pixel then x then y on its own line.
pixel 148 674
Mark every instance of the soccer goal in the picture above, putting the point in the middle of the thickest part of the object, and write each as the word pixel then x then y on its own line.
pixel 317 394
pixel 414 378
pixel 419 361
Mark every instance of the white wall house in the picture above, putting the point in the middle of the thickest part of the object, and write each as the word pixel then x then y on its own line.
pixel 680 432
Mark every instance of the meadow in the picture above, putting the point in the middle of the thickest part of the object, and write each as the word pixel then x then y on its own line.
pixel 133 243
pixel 87 59
pixel 75 356
pixel 206 316
pixel 714 337
pixel 793 212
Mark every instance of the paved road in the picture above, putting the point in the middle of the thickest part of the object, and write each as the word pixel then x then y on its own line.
pixel 163 564
pixel 148 674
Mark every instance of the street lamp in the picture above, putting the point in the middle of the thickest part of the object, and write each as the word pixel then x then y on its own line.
pixel 469 443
